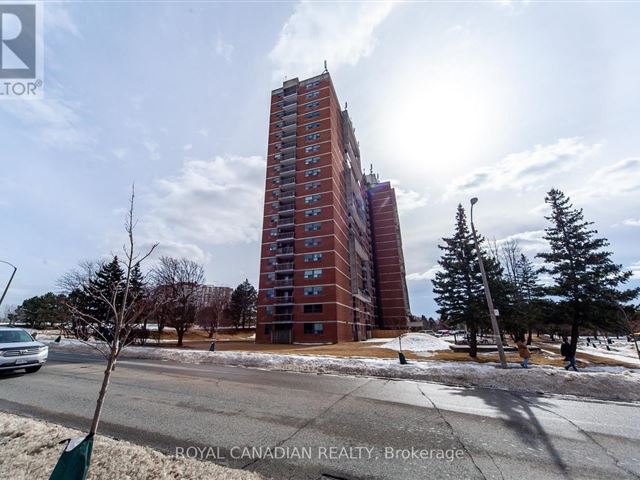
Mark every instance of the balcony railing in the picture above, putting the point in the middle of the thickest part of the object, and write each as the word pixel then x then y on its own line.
pixel 284 266
pixel 283 317
pixel 288 181
pixel 284 299
pixel 288 170
pixel 287 146
pixel 287 194
pixel 286 235
pixel 285 221
pixel 284 251
pixel 286 282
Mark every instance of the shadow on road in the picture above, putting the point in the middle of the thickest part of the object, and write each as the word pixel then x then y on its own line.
pixel 520 417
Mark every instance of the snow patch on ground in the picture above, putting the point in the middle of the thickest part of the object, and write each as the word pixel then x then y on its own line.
pixel 416 342
pixel 29 450
pixel 607 385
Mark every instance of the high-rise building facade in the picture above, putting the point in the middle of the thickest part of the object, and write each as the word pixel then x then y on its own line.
pixel 318 271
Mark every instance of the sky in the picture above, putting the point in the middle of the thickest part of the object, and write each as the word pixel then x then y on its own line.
pixel 499 100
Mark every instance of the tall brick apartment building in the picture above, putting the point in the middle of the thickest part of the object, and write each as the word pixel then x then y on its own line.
pixel 331 265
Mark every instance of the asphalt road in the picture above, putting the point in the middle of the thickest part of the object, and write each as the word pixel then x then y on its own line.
pixel 220 410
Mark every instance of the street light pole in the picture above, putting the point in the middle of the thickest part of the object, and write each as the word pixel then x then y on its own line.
pixel 10 279
pixel 487 292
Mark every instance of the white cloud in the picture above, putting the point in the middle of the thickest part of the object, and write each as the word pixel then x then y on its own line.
pixel 428 275
pixel 224 49
pixel 620 178
pixel 52 121
pixel 531 242
pixel 527 169
pixel 120 152
pixel 210 202
pixel 408 200
pixel 631 222
pixel 152 148
pixel 341 33
pixel 187 147
pixel 635 268
pixel 57 18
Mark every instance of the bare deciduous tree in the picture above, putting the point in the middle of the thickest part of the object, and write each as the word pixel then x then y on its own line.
pixel 125 307
pixel 177 280
pixel 213 309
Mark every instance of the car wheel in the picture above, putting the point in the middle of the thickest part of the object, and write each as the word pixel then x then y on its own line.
pixel 33 369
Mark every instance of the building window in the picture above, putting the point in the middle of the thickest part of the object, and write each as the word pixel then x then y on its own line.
pixel 314 212
pixel 311 126
pixel 312 185
pixel 311 105
pixel 312 257
pixel 314 172
pixel 274 219
pixel 275 180
pixel 273 247
pixel 314 308
pixel 273 232
pixel 315 273
pixel 312 242
pixel 311 137
pixel 271 276
pixel 313 84
pixel 312 198
pixel 312 94
pixel 311 291
pixel 312 114
pixel 312 148
pixel 313 328
pixel 271 293
pixel 312 227
pixel 311 160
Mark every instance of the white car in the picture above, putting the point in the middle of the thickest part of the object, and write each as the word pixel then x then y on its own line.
pixel 18 350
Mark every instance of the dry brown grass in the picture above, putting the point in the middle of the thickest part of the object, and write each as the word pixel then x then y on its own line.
pixel 232 341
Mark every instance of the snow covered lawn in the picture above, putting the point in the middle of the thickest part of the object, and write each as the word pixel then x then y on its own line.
pixel 29 450
pixel 595 383
pixel 416 342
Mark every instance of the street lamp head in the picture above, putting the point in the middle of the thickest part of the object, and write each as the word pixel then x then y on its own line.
pixel 474 200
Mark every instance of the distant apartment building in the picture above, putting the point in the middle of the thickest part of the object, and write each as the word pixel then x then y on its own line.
pixel 331 264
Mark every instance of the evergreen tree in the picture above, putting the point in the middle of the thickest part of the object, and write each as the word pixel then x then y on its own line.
pixel 458 287
pixel 529 304
pixel 243 305
pixel 585 278
pixel 108 283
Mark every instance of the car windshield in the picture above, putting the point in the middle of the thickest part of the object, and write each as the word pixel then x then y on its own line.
pixel 14 336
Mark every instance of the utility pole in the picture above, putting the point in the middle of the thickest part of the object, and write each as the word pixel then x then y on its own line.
pixel 487 292
pixel 10 280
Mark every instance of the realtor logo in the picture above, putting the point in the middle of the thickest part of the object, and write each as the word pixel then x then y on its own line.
pixel 20 50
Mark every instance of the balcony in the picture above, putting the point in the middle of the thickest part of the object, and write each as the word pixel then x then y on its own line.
pixel 288 147
pixel 288 170
pixel 287 126
pixel 287 137
pixel 285 221
pixel 289 159
pixel 284 299
pixel 283 267
pixel 284 283
pixel 288 183
pixel 290 117
pixel 284 251
pixel 283 317
pixel 290 94
pixel 287 195
pixel 288 106
pixel 286 235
